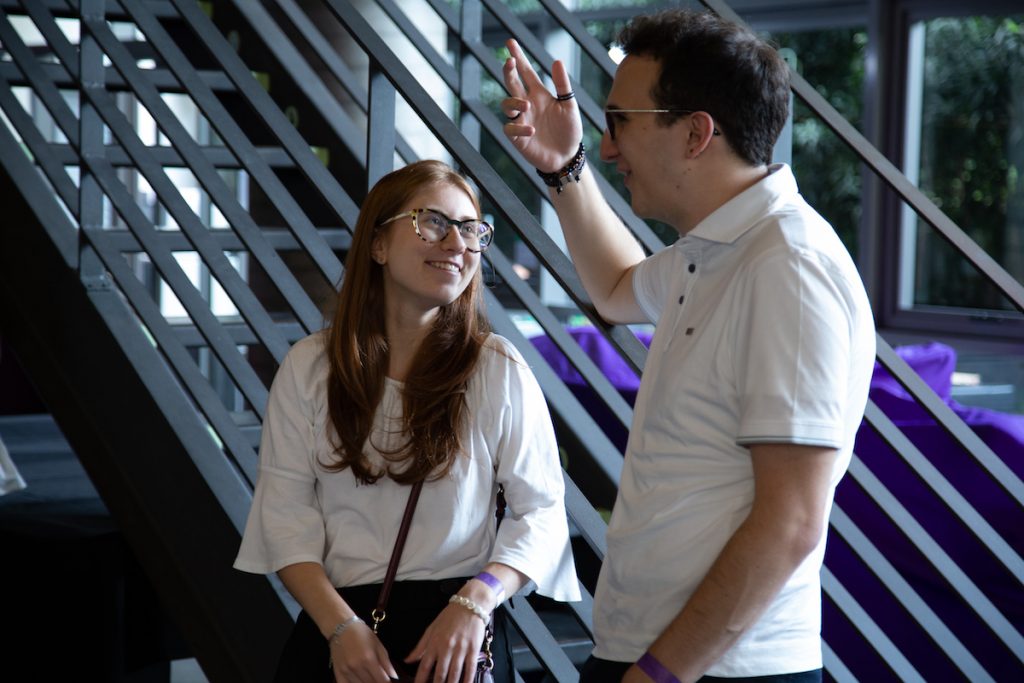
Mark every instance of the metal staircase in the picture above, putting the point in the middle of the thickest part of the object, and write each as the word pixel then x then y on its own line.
pixel 181 178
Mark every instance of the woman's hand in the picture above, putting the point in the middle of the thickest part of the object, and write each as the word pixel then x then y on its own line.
pixel 357 655
pixel 449 647
pixel 545 129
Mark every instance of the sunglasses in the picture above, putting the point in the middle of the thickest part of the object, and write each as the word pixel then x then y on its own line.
pixel 614 115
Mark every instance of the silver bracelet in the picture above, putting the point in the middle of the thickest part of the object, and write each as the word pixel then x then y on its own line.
pixel 471 606
pixel 340 628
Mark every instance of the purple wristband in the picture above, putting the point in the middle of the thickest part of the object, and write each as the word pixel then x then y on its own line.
pixel 655 669
pixel 492 582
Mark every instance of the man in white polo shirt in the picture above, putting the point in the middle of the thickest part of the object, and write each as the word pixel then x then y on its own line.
pixel 758 372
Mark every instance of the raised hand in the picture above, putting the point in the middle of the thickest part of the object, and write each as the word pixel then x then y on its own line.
pixel 545 128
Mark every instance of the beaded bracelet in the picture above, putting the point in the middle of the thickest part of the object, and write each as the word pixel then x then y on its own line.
pixel 471 606
pixel 572 170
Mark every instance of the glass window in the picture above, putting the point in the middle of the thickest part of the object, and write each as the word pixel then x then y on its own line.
pixel 827 171
pixel 965 150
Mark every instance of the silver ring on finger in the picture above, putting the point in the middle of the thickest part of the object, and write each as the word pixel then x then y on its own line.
pixel 566 97
pixel 513 118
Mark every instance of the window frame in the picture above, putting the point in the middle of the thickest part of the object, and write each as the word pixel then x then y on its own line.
pixel 887 104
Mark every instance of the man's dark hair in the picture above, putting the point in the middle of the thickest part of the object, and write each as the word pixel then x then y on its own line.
pixel 714 65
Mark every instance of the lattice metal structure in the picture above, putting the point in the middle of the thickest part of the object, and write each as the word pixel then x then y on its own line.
pixel 211 243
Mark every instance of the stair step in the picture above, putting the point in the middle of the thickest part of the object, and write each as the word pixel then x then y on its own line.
pixel 162 9
pixel 161 78
pixel 279 238
pixel 220 157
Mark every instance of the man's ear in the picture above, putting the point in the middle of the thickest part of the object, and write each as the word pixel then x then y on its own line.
pixel 702 129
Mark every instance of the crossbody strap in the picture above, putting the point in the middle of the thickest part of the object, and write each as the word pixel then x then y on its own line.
pixel 379 613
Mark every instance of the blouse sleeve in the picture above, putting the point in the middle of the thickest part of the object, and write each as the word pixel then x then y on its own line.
pixel 534 535
pixel 285 523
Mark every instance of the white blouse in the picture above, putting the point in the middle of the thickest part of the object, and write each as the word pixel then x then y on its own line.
pixel 302 512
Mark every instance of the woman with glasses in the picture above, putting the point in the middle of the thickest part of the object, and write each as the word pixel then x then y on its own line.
pixel 407 385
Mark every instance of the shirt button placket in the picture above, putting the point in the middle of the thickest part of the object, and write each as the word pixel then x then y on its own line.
pixel 682 298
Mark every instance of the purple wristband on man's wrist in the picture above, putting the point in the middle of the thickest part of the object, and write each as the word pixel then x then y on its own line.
pixel 655 670
pixel 492 582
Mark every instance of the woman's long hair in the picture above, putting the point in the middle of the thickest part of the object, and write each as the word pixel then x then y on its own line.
pixel 433 397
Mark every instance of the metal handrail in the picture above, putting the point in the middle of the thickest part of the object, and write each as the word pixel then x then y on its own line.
pixel 930 548
pixel 868 628
pixel 257 327
pixel 911 600
pixel 240 451
pixel 241 372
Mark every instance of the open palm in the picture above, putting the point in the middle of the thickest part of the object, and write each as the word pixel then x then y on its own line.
pixel 546 130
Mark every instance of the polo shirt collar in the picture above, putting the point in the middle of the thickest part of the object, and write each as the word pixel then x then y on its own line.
pixel 731 220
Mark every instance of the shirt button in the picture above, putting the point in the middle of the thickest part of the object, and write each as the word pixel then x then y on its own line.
pixel 692 267
pixel 681 300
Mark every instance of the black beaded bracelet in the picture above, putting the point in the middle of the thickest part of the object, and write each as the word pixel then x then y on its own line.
pixel 572 171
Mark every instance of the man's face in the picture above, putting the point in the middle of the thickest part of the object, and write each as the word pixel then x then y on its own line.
pixel 647 153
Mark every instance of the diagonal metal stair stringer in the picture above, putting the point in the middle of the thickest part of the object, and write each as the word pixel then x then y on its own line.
pixel 178 500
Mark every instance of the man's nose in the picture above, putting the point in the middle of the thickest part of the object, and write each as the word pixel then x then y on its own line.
pixel 608 149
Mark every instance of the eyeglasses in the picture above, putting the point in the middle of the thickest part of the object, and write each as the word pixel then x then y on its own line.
pixel 432 226
pixel 614 114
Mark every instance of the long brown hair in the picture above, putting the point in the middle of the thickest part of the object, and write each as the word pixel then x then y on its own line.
pixel 433 396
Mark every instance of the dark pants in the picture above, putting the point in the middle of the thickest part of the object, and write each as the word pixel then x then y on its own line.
pixel 603 671
pixel 412 607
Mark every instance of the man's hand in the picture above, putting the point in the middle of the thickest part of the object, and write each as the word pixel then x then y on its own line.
pixel 545 129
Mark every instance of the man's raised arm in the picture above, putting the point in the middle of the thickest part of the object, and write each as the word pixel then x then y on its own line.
pixel 547 131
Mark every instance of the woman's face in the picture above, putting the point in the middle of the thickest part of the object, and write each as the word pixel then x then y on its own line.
pixel 420 276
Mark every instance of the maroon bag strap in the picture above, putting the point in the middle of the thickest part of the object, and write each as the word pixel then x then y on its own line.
pixel 379 613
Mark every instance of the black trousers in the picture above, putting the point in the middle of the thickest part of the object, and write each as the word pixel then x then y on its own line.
pixel 412 607
pixel 605 671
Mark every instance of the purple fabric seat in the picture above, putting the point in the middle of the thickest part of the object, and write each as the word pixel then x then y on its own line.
pixel 611 364
pixel 1001 432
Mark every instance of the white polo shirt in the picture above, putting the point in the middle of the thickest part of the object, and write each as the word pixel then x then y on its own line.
pixel 763 334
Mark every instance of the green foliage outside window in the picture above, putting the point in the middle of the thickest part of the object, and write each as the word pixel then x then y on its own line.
pixel 827 171
pixel 972 155
pixel 972 151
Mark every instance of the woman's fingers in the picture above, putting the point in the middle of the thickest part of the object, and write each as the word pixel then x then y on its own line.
pixel 385 662
pixel 359 657
pixel 441 671
pixel 371 673
pixel 469 668
pixel 448 647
